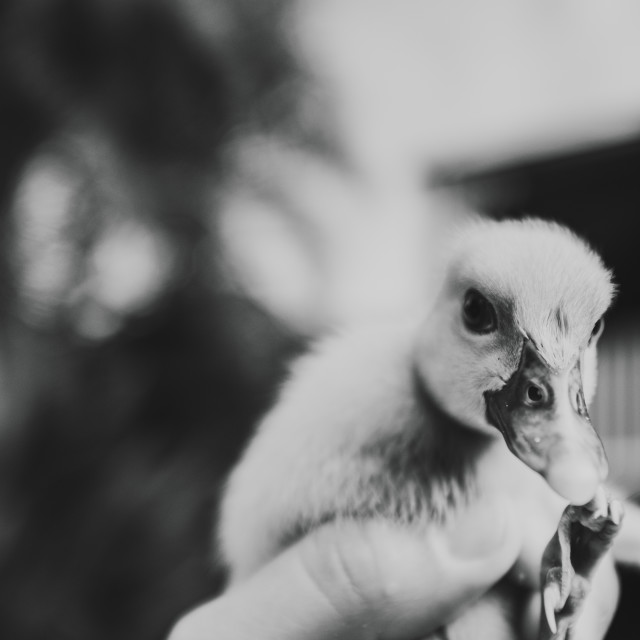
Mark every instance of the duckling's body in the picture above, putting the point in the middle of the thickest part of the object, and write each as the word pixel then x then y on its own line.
pixel 354 435
pixel 366 429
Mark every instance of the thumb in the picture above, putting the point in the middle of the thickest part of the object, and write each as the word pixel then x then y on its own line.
pixel 405 582
pixel 365 579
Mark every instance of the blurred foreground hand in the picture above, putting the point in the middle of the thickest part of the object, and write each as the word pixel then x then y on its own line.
pixel 360 580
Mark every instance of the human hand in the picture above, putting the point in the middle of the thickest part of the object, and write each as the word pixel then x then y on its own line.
pixel 358 580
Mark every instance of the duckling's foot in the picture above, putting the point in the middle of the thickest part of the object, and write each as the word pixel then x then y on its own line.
pixel 584 535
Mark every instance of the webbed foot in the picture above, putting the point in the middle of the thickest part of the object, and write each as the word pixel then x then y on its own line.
pixel 584 535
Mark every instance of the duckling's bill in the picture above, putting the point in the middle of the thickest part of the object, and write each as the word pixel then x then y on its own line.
pixel 543 418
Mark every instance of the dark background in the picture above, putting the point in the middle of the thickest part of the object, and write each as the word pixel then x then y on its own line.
pixel 113 448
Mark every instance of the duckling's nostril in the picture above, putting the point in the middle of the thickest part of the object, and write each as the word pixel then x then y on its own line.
pixel 535 395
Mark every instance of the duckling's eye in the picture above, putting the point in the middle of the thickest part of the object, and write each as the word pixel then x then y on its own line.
pixel 478 313
pixel 597 330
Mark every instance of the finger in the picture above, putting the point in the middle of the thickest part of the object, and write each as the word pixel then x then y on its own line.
pixel 626 547
pixel 423 581
pixel 599 604
pixel 362 580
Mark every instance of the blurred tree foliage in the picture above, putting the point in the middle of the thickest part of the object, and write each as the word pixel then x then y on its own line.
pixel 118 419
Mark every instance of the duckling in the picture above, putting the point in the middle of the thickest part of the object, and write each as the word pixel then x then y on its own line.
pixel 488 393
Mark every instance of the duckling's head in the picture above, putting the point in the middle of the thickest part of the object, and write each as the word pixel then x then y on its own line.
pixel 510 346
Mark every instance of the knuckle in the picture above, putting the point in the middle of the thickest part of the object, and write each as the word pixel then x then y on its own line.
pixel 180 631
pixel 346 569
pixel 188 627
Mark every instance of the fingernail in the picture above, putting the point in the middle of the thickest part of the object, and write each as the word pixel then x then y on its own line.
pixel 478 530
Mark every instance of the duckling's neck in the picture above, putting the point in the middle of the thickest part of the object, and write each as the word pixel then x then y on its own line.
pixel 423 472
pixel 451 451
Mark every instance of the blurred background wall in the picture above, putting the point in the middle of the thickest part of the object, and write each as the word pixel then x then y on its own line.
pixel 192 190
